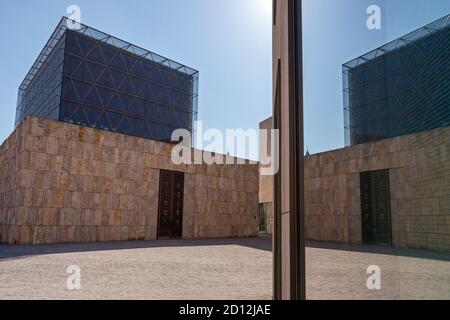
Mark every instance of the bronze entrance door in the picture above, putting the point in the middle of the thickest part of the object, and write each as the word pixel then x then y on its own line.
pixel 376 208
pixel 170 209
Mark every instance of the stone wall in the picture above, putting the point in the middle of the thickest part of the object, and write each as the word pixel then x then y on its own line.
pixel 419 171
pixel 67 183
pixel 9 162
pixel 419 167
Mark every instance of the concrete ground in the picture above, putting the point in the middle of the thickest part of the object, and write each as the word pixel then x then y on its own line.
pixel 214 269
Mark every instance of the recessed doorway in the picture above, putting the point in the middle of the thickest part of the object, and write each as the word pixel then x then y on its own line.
pixel 170 208
pixel 376 208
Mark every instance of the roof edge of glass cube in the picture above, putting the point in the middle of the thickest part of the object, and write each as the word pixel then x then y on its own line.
pixel 424 31
pixel 63 25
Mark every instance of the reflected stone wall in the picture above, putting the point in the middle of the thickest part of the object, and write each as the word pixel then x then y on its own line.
pixel 419 171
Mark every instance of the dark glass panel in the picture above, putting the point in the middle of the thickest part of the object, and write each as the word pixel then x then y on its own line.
pixel 92 114
pixel 118 78
pixel 147 108
pixel 96 70
pixel 149 69
pixel 96 55
pixel 93 97
pixel 106 79
pixel 155 113
pixel 129 61
pixel 181 119
pixel 86 44
pixel 72 44
pixel 66 110
pixel 127 102
pixel 115 120
pixel 78 116
pixel 103 122
pixel 163 132
pixel 82 88
pixel 108 53
pixel 68 90
pixel 71 64
pixel 83 72
pixel 115 103
pixel 171 80
pixel 139 126
pixel 155 74
pixel 126 86
pixel 136 110
pixel 125 126
pixel 138 85
pixel 164 96
pixel 148 91
pixel 166 115
pixel 138 69
pixel 118 63
pixel 105 95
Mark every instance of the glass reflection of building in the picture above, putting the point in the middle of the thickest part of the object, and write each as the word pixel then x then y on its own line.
pixel 89 78
pixel 400 88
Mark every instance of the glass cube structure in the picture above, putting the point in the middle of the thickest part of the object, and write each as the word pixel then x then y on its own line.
pixel 400 88
pixel 87 77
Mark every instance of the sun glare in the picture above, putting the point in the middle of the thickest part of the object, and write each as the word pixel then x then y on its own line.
pixel 265 7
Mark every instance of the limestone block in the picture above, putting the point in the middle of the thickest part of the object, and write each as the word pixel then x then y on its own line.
pixel 36 197
pixel 129 218
pixel 21 216
pixel 26 178
pixel 140 233
pixel 132 233
pixel 106 217
pixel 77 216
pixel 58 198
pixel 66 216
pixel 202 232
pixel 124 233
pixel 32 216
pixel 88 151
pixel 87 217
pixel 51 146
pixel 86 200
pixel 109 139
pixel 151 232
pixel 103 233
pixel 188 231
pixel 108 153
pixel 39 161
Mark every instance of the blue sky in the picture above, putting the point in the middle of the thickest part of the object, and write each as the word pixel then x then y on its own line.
pixel 229 42
pixel 335 32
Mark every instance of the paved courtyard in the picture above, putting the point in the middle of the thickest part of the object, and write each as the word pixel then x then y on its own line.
pixel 214 269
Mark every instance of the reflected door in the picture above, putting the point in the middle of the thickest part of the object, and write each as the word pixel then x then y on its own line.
pixel 375 208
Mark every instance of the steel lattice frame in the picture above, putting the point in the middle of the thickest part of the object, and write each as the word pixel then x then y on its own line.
pixel 144 93
pixel 397 89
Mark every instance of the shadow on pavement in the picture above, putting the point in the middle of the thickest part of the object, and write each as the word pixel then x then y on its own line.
pixel 263 242
pixel 403 252
pixel 15 252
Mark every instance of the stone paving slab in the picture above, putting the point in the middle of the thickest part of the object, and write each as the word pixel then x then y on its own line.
pixel 214 269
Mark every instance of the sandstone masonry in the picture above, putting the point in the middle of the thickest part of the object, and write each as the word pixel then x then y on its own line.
pixel 62 183
pixel 419 178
